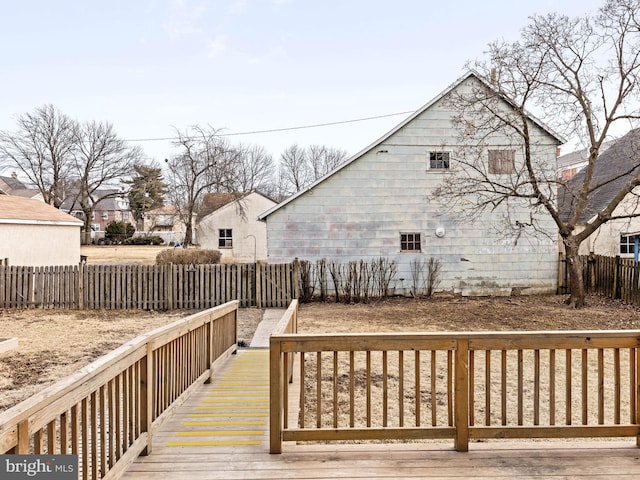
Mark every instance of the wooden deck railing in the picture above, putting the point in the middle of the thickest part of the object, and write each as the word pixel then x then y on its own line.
pixel 107 412
pixel 458 385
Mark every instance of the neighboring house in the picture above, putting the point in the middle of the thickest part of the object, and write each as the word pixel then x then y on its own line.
pixel 36 234
pixel 165 222
pixel 229 222
pixel 613 168
pixel 383 202
pixel 12 186
pixel 112 206
pixel 571 163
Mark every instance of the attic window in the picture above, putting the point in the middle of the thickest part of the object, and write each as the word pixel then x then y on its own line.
pixel 439 160
pixel 225 239
pixel 502 161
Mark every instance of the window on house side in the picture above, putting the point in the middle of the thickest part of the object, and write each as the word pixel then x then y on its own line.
pixel 225 239
pixel 502 161
pixel 410 242
pixel 627 245
pixel 439 160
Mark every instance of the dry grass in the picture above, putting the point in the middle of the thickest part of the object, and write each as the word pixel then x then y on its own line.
pixel 116 254
pixel 456 314
pixel 55 344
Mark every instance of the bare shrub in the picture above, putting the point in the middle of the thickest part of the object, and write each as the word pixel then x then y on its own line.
pixel 307 283
pixel 321 277
pixel 188 256
pixel 335 269
pixel 383 271
pixel 433 275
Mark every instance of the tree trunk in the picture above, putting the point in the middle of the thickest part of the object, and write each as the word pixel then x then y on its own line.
pixel 188 235
pixel 576 297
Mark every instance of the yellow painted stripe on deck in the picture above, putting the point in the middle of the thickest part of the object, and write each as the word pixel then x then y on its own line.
pixel 221 433
pixel 235 401
pixel 230 415
pixel 219 443
pixel 237 389
pixel 224 423
pixel 234 407
pixel 238 395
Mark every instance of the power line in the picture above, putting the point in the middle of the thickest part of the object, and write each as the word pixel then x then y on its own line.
pixel 274 130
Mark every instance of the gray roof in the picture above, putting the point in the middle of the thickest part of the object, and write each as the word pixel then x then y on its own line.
pixel 614 168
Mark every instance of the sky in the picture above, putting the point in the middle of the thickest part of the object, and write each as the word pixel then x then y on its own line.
pixel 153 66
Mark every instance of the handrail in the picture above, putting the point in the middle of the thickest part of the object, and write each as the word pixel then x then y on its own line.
pixel 106 413
pixel 465 385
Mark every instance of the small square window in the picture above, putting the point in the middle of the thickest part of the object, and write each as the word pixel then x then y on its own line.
pixel 225 239
pixel 439 160
pixel 502 161
pixel 410 242
pixel 627 245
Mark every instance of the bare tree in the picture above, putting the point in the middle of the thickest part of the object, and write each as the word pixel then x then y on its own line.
pixel 581 75
pixel 103 161
pixel 206 163
pixel 300 167
pixel 294 169
pixel 43 149
pixel 323 159
pixel 255 169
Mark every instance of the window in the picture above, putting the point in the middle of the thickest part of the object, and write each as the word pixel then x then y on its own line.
pixel 225 239
pixel 410 242
pixel 627 245
pixel 502 161
pixel 439 160
pixel 105 215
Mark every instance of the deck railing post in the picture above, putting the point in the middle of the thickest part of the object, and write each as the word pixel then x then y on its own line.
pixel 637 396
pixel 461 389
pixel 146 396
pixel 275 396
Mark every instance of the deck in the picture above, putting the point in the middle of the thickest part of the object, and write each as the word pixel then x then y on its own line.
pixel 221 432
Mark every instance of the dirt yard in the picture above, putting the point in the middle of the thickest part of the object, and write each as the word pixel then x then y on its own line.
pixel 55 344
pixel 136 254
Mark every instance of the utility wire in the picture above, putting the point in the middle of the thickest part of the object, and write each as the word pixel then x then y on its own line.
pixel 273 130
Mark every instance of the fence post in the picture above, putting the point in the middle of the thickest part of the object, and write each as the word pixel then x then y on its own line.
pixel 169 295
pixel 616 277
pixel 296 276
pixel 461 389
pixel 259 284
pixel 81 286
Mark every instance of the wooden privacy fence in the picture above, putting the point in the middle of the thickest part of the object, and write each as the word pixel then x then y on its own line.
pixel 457 385
pixel 147 287
pixel 107 412
pixel 614 277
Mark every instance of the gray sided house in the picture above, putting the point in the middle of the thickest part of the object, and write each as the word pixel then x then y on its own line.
pixel 384 202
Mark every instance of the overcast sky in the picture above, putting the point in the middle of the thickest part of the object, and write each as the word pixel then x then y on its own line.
pixel 148 66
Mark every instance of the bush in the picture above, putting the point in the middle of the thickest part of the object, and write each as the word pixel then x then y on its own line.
pixel 189 256
pixel 148 240
pixel 118 232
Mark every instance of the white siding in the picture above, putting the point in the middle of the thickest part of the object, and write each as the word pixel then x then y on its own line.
pixel 40 245
pixel 360 210
pixel 249 234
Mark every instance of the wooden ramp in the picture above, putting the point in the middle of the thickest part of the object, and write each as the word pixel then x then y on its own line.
pixel 221 432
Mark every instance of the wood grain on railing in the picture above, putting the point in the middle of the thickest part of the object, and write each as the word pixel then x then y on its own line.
pixel 459 385
pixel 106 413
